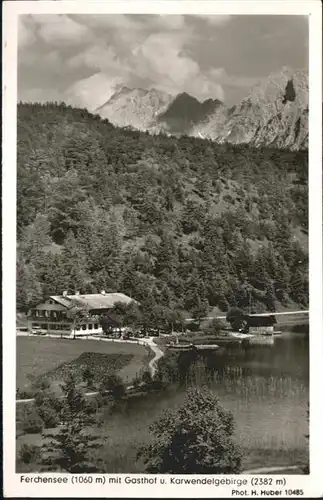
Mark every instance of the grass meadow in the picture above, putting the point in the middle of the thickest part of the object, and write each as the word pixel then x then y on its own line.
pixel 46 356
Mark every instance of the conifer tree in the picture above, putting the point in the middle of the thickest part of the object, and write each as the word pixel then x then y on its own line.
pixel 69 449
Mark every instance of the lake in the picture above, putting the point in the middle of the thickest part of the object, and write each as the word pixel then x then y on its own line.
pixel 266 388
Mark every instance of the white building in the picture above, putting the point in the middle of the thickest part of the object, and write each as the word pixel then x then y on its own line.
pixel 74 315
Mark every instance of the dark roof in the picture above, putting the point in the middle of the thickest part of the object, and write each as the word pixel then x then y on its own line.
pixel 92 301
pixel 261 320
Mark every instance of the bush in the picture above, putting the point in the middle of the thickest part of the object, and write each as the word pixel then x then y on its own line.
pixel 32 422
pixel 214 327
pixel 48 415
pixel 146 377
pixel 41 384
pixel 49 399
pixel 194 439
pixel 99 399
pixel 24 394
pixel 88 377
pixel 114 385
pixel 29 453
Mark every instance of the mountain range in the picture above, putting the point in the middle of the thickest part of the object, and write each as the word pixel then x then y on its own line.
pixel 275 113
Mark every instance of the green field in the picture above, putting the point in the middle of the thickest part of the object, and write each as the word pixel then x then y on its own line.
pixel 37 356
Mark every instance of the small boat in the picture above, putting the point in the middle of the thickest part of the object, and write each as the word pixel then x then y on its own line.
pixel 204 347
pixel 240 335
pixel 179 347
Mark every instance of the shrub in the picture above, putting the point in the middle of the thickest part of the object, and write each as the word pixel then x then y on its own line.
pixel 114 385
pixel 99 399
pixel 41 384
pixel 88 377
pixel 29 453
pixel 32 422
pixel 214 327
pixel 48 415
pixel 146 377
pixel 24 394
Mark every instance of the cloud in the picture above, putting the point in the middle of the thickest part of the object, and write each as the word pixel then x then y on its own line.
pixel 96 57
pixel 160 57
pixel 169 22
pixel 58 30
pixel 26 34
pixel 82 57
pixel 93 91
pixel 216 20
pixel 108 21
pixel 223 78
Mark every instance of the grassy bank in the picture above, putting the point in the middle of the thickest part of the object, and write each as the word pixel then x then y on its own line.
pixel 51 357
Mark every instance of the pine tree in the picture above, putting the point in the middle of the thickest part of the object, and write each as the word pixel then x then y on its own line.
pixel 270 297
pixel 29 289
pixel 69 449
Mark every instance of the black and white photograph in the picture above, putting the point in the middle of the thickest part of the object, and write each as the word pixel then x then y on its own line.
pixel 162 305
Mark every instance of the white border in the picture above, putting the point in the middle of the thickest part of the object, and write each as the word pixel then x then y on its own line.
pixel 312 485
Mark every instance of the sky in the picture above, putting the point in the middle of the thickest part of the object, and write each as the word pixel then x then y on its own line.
pixel 80 59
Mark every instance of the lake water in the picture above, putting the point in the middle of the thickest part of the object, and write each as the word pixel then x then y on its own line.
pixel 266 388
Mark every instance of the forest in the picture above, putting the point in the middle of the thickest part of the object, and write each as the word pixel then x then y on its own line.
pixel 182 224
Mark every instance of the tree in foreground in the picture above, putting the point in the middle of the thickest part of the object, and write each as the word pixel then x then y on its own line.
pixel 197 438
pixel 68 449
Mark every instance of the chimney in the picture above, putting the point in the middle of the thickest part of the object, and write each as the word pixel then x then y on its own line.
pixel 102 292
pixel 65 293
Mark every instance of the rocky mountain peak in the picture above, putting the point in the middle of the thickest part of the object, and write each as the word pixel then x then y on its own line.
pixel 274 113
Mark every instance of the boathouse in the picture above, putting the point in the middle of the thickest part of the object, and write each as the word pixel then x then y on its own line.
pixel 259 324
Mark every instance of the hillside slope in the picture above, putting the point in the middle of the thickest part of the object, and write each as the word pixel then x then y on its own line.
pixel 185 224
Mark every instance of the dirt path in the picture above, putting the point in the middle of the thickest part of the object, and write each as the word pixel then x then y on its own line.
pixel 158 354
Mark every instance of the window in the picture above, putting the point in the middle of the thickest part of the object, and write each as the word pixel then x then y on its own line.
pixel 90 326
pixel 96 326
pixel 77 328
pixel 83 327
